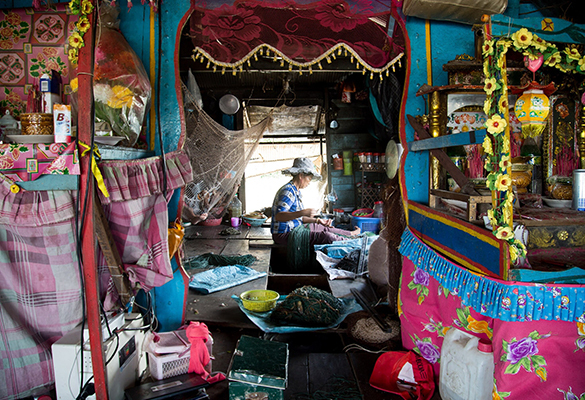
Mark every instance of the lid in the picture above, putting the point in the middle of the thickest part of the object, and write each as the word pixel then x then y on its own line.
pixel 229 104
pixel 378 202
pixel 7 121
pixel 485 345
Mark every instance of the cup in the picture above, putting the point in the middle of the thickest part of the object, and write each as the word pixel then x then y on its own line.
pixel 236 221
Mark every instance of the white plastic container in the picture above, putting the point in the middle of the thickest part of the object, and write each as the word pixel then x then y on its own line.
pixel 467 367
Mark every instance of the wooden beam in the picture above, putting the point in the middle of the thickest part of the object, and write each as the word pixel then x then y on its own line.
pixel 459 177
pixel 455 139
pixel 86 190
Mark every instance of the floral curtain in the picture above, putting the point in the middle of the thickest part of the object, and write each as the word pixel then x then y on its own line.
pixel 297 34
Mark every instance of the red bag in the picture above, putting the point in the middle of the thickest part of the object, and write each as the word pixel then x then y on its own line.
pixel 385 375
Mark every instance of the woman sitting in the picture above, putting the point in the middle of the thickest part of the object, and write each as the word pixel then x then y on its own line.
pixel 288 212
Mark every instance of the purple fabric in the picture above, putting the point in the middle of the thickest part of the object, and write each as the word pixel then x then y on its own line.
pixel 137 214
pixel 40 291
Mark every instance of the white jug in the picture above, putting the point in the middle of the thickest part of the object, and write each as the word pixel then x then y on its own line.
pixel 467 367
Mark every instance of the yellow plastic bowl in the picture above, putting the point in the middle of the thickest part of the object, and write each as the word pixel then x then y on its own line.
pixel 259 300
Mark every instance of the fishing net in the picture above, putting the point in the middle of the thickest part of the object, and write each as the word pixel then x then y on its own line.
pixel 218 158
pixel 308 306
pixel 215 260
pixel 298 249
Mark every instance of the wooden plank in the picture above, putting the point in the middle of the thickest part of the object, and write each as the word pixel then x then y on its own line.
pixel 564 31
pixel 52 182
pixel 324 367
pixel 455 139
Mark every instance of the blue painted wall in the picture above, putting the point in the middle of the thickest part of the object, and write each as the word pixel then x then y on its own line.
pixel 447 41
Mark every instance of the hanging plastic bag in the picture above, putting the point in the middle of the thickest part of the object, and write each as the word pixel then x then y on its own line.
pixel 176 235
pixel 121 86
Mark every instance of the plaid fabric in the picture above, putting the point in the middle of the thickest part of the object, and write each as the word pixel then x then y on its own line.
pixel 137 214
pixel 40 295
pixel 289 199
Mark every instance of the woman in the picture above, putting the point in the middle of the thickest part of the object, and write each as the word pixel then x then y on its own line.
pixel 288 212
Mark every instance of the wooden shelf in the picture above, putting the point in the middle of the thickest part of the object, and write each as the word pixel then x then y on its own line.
pixel 472 201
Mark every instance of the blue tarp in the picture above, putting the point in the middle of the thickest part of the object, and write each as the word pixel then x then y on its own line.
pixel 262 320
pixel 221 278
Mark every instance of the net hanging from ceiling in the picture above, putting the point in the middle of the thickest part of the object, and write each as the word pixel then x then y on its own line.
pixel 218 158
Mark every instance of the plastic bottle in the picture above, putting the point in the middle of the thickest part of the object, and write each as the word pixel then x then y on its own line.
pixel 467 367
pixel 235 207
pixel 378 209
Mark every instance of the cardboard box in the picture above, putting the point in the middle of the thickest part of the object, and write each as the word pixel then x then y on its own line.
pixel 258 370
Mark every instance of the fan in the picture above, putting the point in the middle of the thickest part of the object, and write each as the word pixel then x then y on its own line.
pixel 393 153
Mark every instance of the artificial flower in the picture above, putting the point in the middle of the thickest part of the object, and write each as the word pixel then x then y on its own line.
pixel 503 104
pixel 507 213
pixel 74 83
pixel 496 124
pixel 582 64
pixel 505 145
pixel 490 85
pixel 82 24
pixel 522 38
pixel 504 43
pixel 121 97
pixel 539 43
pixel 75 40
pixel 553 59
pixel 513 252
pixel 505 162
pixel 572 53
pixel 503 182
pixel 492 217
pixel 72 55
pixel 486 69
pixel 504 233
pixel 102 92
pixel 501 61
pixel 86 7
pixel 488 47
pixel 487 145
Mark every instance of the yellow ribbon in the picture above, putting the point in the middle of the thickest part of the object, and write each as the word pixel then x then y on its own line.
pixel 94 168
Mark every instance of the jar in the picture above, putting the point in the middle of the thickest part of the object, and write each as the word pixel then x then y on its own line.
pixel 376 158
pixel 378 209
pixel 383 158
pixel 368 157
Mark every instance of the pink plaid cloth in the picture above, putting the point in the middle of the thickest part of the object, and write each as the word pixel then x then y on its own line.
pixel 138 217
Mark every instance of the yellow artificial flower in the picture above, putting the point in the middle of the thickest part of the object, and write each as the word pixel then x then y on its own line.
pixel 522 38
pixel 505 162
pixel 509 201
pixel 503 104
pixel 83 24
pixel 496 124
pixel 504 43
pixel 86 7
pixel 487 145
pixel 487 104
pixel 503 182
pixel 507 213
pixel 500 61
pixel 488 47
pixel 72 55
pixel 505 145
pixel 122 97
pixel 539 43
pixel 582 64
pixel 554 59
pixel 490 85
pixel 492 218
pixel 486 69
pixel 572 53
pixel 74 84
pixel 75 40
pixel 513 253
pixel 504 233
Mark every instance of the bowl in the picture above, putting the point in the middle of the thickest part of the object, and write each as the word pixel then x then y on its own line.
pixel 211 222
pixel 365 212
pixel 259 300
pixel 254 221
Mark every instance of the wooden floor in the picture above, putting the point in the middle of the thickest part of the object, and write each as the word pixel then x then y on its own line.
pixel 317 360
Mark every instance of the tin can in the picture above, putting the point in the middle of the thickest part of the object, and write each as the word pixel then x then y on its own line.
pixel 579 189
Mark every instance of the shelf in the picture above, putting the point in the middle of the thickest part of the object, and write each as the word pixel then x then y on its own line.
pixel 371 167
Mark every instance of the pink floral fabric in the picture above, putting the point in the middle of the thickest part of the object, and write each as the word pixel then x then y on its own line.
pixel 26 162
pixel 534 358
pixel 31 44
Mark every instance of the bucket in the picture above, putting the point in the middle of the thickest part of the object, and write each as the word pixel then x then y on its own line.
pixel 467 367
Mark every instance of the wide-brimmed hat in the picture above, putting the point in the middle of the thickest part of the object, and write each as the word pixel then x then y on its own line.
pixel 303 165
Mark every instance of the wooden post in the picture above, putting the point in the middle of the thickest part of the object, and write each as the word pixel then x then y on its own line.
pixel 86 193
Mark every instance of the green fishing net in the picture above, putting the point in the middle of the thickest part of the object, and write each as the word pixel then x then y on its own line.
pixel 298 250
pixel 215 260
pixel 308 306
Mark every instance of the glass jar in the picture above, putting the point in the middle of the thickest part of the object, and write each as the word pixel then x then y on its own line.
pixel 376 158
pixel 368 157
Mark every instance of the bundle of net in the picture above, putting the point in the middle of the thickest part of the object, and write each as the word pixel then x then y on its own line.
pixel 308 306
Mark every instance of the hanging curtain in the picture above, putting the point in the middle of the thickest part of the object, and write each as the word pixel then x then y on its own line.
pixel 297 35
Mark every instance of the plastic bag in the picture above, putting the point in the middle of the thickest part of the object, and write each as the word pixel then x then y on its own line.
pixel 121 86
pixel 176 234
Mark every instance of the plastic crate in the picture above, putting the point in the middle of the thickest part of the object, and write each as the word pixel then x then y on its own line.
pixel 366 224
pixel 164 366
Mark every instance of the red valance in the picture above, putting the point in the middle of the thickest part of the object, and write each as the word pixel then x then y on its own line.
pixel 300 35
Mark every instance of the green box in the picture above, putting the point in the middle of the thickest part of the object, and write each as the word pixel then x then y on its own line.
pixel 258 370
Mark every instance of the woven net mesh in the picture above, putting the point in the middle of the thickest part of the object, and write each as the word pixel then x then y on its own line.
pixel 218 158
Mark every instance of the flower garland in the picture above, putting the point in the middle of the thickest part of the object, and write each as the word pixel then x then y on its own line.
pixel 75 41
pixel 496 144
